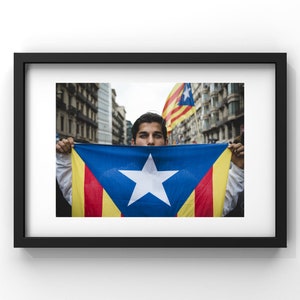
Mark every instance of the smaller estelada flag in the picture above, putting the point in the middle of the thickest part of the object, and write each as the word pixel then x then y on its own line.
pixel 137 181
pixel 179 105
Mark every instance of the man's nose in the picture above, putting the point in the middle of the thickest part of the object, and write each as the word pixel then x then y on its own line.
pixel 150 140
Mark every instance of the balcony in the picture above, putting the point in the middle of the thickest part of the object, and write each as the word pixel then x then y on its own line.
pixel 88 88
pixel 72 110
pixel 92 106
pixel 223 103
pixel 222 122
pixel 60 104
pixel 83 85
pixel 205 100
pixel 82 117
pixel 71 87
pixel 237 114
pixel 81 97
pixel 205 128
pixel 205 115
pixel 95 95
pixel 214 107
pixel 213 124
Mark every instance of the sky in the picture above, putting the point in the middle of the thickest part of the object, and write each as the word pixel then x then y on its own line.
pixel 138 98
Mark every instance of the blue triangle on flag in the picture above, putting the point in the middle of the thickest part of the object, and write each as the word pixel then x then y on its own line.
pixel 187 96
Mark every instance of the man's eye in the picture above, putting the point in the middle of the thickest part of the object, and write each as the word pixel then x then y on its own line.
pixel 158 136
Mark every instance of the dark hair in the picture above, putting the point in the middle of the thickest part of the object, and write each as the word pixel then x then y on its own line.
pixel 149 118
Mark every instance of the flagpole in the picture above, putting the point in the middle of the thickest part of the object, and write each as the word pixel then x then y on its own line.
pixel 196 119
pixel 197 125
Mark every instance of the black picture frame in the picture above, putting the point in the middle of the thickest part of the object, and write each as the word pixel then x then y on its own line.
pixel 22 60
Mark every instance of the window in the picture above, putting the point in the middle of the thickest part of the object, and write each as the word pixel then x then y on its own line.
pixel 233 108
pixel 205 124
pixel 233 88
pixel 214 101
pixel 229 132
pixel 62 123
pixel 214 118
pixel 205 98
pixel 70 126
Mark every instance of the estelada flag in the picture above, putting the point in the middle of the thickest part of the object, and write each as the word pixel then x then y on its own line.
pixel 179 105
pixel 138 181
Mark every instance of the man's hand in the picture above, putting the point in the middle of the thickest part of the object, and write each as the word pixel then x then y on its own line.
pixel 65 145
pixel 237 154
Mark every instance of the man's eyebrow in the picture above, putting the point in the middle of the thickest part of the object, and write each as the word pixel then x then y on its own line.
pixel 146 132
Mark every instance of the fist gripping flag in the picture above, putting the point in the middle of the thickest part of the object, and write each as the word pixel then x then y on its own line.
pixel 134 181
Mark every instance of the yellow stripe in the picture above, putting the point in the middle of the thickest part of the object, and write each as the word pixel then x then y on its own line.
pixel 78 168
pixel 188 208
pixel 167 113
pixel 220 176
pixel 178 112
pixel 183 117
pixel 173 104
pixel 109 209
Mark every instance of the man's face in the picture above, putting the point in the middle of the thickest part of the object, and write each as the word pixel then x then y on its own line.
pixel 149 134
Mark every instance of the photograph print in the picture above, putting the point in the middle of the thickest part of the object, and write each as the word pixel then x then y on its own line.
pixel 149 150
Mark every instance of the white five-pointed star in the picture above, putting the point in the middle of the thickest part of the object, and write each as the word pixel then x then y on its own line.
pixel 149 180
pixel 186 93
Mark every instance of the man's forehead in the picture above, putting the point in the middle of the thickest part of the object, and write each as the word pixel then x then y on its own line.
pixel 153 126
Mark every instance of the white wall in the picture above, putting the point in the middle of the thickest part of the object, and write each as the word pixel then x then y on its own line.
pixel 177 26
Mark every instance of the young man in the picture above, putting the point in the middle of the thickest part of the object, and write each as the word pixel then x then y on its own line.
pixel 150 130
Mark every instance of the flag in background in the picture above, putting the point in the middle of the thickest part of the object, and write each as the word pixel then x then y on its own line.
pixel 166 181
pixel 179 105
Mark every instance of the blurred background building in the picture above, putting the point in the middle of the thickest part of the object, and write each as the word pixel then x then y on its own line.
pixel 118 122
pixel 76 110
pixel 104 115
pixel 90 113
pixel 219 115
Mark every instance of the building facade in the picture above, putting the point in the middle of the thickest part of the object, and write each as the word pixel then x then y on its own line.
pixel 129 133
pixel 118 122
pixel 219 114
pixel 76 111
pixel 104 116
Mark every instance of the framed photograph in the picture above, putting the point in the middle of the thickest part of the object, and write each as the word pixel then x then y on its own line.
pixel 217 177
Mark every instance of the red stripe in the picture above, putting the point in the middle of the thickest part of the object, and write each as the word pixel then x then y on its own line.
pixel 171 112
pixel 187 109
pixel 174 95
pixel 204 196
pixel 93 192
pixel 173 98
